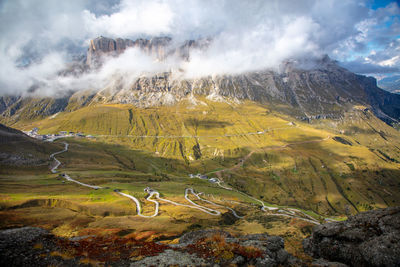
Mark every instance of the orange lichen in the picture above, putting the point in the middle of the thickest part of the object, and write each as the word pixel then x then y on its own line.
pixel 217 248
pixel 111 248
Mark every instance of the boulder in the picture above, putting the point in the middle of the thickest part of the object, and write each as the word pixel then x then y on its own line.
pixel 367 239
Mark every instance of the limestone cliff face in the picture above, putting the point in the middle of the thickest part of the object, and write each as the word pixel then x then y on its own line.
pixel 158 48
pixel 326 90
pixel 155 47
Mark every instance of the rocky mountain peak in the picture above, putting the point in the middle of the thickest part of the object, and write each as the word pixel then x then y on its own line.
pixel 157 47
pixel 100 46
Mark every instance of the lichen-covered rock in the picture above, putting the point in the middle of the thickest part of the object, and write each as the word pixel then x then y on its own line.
pixel 192 237
pixel 171 258
pixel 256 249
pixel 29 246
pixel 367 239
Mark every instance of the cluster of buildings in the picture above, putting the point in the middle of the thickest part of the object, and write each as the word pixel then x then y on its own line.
pixel 204 177
pixel 47 137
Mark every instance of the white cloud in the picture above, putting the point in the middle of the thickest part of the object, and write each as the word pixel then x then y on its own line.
pixel 132 18
pixel 246 35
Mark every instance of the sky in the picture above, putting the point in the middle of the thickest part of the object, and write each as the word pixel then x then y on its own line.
pixel 39 38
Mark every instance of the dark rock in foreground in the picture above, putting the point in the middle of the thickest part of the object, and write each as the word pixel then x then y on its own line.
pixel 367 239
pixel 219 248
pixel 29 246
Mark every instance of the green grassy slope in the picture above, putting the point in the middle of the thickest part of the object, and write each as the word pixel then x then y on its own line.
pixel 330 167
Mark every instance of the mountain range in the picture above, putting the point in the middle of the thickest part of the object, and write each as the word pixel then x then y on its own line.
pixel 391 83
pixel 319 89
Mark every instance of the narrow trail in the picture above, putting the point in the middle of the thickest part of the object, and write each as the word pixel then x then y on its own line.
pixel 197 136
pixel 245 158
pixel 282 212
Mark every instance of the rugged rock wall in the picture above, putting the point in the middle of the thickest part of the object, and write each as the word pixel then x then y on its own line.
pixel 155 47
pixel 367 239
pixel 158 48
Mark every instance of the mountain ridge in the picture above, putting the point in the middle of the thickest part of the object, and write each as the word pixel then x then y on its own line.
pixel 323 90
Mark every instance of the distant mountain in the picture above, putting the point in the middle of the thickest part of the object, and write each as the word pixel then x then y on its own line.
pixel 158 47
pixel 325 90
pixel 391 84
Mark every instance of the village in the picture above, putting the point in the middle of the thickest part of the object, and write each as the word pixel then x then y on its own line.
pixel 204 177
pixel 51 137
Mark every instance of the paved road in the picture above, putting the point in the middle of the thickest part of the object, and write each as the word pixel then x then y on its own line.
pixel 153 193
pixel 58 163
pixel 289 212
pixel 199 136
pixel 66 176
pixel 138 208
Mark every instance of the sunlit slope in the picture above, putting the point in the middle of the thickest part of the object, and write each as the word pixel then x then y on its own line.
pixel 328 166
pixel 173 131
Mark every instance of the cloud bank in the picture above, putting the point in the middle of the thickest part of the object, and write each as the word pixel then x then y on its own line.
pixel 40 38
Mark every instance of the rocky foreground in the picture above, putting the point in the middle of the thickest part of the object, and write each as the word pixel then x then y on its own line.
pixel 367 239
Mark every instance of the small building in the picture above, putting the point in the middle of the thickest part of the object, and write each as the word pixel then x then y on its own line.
pixel 192 175
pixel 204 177
pixel 214 180
pixel 148 190
pixel 63 132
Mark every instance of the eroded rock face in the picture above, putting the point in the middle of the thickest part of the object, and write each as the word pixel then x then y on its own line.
pixel 367 239
pixel 156 47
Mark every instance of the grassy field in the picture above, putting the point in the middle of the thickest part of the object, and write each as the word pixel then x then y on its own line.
pixel 326 167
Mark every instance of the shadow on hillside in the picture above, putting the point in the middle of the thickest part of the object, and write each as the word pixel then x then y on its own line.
pixel 207 124
pixel 354 129
pixel 295 185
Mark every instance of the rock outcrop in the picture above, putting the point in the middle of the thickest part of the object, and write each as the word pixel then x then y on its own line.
pixel 29 246
pixel 253 249
pixel 367 239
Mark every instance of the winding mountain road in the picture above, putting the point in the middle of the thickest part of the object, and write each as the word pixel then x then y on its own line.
pixel 58 163
pixel 153 193
pixel 66 176
pixel 289 212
